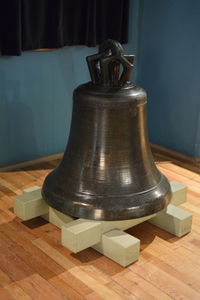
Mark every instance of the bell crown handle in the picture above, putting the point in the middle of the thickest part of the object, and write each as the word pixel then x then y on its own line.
pixel 110 67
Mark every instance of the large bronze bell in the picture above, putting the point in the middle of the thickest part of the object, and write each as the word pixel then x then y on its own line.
pixel 107 171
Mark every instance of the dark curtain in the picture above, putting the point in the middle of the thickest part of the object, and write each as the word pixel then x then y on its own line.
pixel 36 24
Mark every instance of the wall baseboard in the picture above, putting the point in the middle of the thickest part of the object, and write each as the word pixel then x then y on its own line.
pixel 31 162
pixel 159 152
pixel 162 153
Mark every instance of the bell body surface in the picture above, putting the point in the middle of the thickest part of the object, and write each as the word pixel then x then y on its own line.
pixel 107 171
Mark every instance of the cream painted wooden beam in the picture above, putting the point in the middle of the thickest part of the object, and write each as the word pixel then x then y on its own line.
pixel 80 234
pixel 30 204
pixel 119 246
pixel 179 193
pixel 57 218
pixel 174 220
pixel 31 189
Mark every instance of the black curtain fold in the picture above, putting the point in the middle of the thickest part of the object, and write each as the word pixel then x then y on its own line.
pixel 35 24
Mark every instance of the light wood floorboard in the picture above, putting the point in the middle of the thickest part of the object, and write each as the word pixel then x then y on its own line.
pixel 34 265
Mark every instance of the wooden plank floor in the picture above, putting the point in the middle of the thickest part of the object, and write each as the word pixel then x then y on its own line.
pixel 33 264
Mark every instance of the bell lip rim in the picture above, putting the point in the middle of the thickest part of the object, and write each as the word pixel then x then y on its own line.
pixel 101 214
pixel 126 214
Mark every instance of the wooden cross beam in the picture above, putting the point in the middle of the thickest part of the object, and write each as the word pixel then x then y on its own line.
pixel 107 237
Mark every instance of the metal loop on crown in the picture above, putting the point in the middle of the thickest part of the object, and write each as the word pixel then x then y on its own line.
pixel 110 67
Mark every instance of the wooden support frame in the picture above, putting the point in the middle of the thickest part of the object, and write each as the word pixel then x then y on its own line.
pixel 107 237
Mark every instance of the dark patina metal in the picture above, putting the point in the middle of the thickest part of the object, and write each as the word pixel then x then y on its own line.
pixel 107 171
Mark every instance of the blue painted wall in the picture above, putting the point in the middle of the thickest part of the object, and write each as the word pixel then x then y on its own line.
pixel 35 101
pixel 36 88
pixel 169 69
